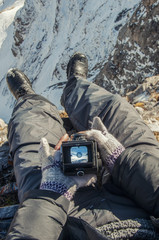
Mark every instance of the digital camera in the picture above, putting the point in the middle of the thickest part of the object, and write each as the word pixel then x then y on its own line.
pixel 79 156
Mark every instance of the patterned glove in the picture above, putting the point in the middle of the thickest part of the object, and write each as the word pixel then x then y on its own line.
pixel 53 178
pixel 109 147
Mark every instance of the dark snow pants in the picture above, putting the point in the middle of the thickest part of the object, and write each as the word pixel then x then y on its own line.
pixel 35 117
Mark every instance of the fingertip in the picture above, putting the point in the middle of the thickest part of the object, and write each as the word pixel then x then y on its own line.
pixel 96 118
pixel 62 139
pixel 96 122
pixel 44 140
pixel 44 144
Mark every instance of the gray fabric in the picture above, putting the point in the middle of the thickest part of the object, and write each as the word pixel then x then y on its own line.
pixel 34 117
pixel 136 172
pixel 41 216
pixel 82 101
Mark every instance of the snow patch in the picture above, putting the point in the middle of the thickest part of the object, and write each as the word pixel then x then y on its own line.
pixel 6 18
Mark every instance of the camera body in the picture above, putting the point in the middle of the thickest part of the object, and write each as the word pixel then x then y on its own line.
pixel 79 156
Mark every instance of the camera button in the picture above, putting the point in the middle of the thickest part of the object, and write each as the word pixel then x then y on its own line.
pixel 80 173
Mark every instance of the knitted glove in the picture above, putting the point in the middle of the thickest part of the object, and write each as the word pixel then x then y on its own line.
pixel 109 147
pixel 53 178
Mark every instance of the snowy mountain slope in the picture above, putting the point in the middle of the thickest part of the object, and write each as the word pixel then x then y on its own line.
pixel 8 10
pixel 47 33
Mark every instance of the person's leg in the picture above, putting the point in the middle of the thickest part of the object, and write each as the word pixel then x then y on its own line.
pixel 33 117
pixel 133 177
pixel 84 100
pixel 133 171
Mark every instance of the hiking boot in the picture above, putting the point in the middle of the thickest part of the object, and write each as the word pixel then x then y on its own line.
pixel 77 66
pixel 18 83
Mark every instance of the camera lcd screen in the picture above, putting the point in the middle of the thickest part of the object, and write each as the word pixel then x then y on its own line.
pixel 79 154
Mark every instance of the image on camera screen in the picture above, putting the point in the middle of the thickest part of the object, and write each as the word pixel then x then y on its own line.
pixel 79 154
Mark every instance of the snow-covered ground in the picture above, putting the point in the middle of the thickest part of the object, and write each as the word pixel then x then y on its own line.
pixel 54 30
pixel 8 9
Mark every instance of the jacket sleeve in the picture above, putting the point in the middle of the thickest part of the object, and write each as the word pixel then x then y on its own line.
pixel 42 215
pixel 137 173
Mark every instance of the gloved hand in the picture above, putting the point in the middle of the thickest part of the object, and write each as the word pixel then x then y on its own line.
pixel 53 178
pixel 109 147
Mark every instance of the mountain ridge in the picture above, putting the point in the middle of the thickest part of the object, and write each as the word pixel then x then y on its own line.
pixel 45 35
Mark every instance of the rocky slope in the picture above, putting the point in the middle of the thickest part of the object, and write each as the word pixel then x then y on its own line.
pixel 136 53
pixel 145 98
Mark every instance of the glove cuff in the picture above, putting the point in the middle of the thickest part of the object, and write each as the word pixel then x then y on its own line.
pixel 111 159
pixel 57 187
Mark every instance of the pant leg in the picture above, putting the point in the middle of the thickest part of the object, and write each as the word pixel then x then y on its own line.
pixel 33 117
pixel 84 100
pixel 136 170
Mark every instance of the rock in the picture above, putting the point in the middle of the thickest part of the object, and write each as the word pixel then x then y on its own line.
pixel 157 135
pixel 2 124
pixel 3 132
pixel 8 196
pixel 8 212
pixel 6 216
pixel 153 124
pixel 139 104
pixel 148 90
pixel 4 147
pixel 140 110
pixel 145 98
pixel 135 56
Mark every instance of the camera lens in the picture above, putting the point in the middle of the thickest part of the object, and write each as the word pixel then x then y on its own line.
pixel 79 154
pixel 80 173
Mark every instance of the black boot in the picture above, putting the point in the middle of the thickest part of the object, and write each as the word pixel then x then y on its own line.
pixel 18 83
pixel 77 66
